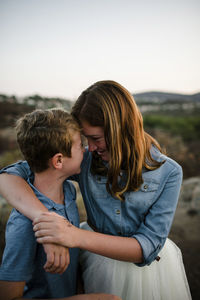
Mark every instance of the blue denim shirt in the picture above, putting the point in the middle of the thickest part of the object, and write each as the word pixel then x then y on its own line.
pixel 24 258
pixel 146 214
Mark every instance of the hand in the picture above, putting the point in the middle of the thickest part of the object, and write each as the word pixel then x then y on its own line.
pixel 58 258
pixel 50 227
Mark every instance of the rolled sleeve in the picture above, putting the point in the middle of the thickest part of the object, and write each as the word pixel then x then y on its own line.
pixel 19 253
pixel 20 169
pixel 154 230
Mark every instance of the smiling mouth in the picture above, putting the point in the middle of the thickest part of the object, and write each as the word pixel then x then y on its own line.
pixel 101 152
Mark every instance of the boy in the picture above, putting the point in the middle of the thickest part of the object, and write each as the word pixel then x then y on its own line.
pixel 51 144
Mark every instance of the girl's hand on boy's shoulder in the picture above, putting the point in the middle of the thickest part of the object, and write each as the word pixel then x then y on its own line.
pixel 58 258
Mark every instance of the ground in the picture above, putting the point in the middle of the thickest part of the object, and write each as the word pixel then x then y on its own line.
pixel 185 233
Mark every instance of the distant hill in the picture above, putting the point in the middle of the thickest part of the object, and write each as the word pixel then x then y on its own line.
pixel 173 103
pixel 161 97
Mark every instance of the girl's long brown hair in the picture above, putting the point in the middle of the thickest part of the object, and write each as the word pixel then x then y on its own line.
pixel 111 106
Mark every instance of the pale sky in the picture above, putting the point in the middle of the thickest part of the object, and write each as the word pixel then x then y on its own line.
pixel 60 47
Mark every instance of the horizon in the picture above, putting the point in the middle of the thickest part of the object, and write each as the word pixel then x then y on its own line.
pixel 72 100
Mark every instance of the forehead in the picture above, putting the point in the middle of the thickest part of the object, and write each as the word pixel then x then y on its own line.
pixel 76 137
pixel 89 130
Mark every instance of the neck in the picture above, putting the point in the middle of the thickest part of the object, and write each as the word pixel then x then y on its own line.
pixel 50 185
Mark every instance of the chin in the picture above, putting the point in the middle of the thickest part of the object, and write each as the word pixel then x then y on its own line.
pixel 105 157
pixel 78 171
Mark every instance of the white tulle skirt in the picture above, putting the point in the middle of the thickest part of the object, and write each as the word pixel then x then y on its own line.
pixel 162 280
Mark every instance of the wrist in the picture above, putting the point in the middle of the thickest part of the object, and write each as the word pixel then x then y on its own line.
pixel 78 237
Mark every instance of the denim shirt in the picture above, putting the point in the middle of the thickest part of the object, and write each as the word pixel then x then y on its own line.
pixel 23 258
pixel 145 215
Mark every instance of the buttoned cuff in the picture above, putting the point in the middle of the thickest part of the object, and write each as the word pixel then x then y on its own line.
pixel 150 252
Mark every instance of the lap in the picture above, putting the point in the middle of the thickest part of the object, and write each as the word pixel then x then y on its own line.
pixel 164 279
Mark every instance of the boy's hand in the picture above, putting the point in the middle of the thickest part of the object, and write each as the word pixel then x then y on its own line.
pixel 58 258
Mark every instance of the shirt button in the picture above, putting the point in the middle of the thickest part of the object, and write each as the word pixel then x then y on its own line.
pixel 118 212
pixel 145 186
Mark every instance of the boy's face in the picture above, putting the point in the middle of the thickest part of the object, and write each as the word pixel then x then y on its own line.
pixel 73 163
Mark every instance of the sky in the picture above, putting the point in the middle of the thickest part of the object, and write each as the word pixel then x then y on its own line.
pixel 58 48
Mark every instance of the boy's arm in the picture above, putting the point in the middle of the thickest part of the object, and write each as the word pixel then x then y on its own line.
pixel 11 290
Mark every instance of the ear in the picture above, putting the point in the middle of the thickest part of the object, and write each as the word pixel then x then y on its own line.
pixel 57 161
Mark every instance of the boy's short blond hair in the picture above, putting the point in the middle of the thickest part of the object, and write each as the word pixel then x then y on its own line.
pixel 43 133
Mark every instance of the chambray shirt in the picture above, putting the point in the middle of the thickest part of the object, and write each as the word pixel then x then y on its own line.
pixel 145 215
pixel 24 258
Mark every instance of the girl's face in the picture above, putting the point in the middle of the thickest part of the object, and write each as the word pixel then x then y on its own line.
pixel 96 140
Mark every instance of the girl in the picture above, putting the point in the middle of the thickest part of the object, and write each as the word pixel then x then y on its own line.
pixel 130 190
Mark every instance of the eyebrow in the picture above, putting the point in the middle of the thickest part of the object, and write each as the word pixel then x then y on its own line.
pixel 92 135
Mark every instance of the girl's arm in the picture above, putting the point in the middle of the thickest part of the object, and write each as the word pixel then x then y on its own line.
pixel 52 228
pixel 20 195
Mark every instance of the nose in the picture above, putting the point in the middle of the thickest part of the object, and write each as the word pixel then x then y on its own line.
pixel 91 146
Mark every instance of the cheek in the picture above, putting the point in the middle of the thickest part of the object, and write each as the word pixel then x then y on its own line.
pixel 103 145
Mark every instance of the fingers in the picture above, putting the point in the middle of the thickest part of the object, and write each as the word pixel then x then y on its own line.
pixel 47 217
pixel 59 265
pixel 45 236
pixel 57 260
pixel 50 261
pixel 43 232
pixel 44 226
pixel 53 264
pixel 45 240
pixel 43 217
pixel 52 229
pixel 65 260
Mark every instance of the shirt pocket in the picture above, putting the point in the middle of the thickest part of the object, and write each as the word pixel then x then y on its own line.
pixel 98 186
pixel 141 200
pixel 149 186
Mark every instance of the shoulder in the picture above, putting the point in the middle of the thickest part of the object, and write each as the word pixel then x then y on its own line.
pixel 168 163
pixel 18 221
pixel 69 188
pixel 169 171
pixel 20 168
pixel 19 230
